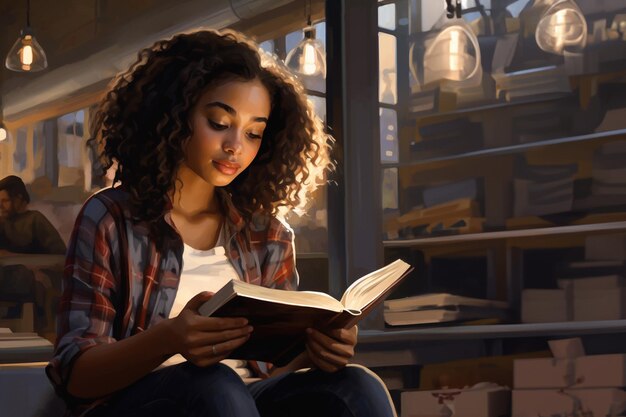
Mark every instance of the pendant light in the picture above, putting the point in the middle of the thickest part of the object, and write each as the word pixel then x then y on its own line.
pixel 307 58
pixel 562 28
pixel 4 133
pixel 26 55
pixel 453 55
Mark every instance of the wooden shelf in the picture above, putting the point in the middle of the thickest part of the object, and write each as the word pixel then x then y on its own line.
pixel 496 331
pixel 506 235
pixel 506 150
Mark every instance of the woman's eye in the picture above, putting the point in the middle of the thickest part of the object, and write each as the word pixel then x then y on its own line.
pixel 217 126
pixel 254 136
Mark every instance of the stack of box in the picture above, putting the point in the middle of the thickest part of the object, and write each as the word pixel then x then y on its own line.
pixel 594 289
pixel 481 400
pixel 570 383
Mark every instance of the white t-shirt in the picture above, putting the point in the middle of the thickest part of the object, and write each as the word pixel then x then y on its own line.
pixel 204 270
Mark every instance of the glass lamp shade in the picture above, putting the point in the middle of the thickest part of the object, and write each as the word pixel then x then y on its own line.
pixel 308 59
pixel 26 55
pixel 3 132
pixel 562 27
pixel 454 54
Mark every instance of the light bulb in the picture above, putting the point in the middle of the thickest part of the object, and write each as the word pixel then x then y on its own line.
pixel 309 66
pixel 3 133
pixel 455 36
pixel 26 55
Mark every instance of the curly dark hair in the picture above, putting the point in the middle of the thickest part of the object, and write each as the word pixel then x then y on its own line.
pixel 142 124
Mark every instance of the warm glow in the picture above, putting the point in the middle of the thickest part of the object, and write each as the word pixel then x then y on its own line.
pixel 26 55
pixel 310 64
pixel 560 28
pixel 3 134
pixel 455 40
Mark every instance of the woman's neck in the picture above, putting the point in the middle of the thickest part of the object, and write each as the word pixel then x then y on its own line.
pixel 193 196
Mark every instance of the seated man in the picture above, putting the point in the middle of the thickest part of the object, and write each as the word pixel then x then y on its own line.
pixel 23 230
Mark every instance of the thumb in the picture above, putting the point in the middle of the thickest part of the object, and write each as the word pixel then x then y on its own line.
pixel 199 299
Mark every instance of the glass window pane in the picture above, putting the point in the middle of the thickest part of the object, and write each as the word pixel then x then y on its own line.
pixel 268 46
pixel 387 16
pixel 390 189
pixel 431 12
pixel 516 7
pixel 70 131
pixel 292 39
pixel 39 150
pixel 19 156
pixel 319 103
pixel 320 33
pixel 388 135
pixel 387 73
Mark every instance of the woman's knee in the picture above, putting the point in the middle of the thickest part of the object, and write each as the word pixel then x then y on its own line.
pixel 215 378
pixel 363 378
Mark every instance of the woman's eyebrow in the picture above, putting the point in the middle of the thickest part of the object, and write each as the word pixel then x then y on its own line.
pixel 232 111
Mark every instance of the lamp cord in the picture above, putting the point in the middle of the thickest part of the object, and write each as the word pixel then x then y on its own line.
pixel 28 13
pixel 308 15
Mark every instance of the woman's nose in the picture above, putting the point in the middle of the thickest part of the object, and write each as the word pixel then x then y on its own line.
pixel 233 143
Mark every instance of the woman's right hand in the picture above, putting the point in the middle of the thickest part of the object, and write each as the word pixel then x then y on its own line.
pixel 202 340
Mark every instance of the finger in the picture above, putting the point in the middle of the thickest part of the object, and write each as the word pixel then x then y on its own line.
pixel 332 345
pixel 212 338
pixel 219 349
pixel 327 356
pixel 218 323
pixel 319 362
pixel 347 336
pixel 197 300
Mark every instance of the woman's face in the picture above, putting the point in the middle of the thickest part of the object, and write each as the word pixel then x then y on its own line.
pixel 227 124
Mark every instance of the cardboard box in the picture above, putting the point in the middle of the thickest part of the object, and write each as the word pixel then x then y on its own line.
pixel 594 371
pixel 480 401
pixel 600 304
pixel 544 305
pixel 468 372
pixel 577 402
pixel 606 247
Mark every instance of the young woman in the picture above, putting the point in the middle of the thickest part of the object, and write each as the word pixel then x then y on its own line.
pixel 211 139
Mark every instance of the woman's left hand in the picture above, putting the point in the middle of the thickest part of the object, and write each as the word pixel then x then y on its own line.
pixel 331 349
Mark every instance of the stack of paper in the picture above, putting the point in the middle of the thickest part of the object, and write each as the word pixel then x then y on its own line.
pixel 441 307
pixel 543 189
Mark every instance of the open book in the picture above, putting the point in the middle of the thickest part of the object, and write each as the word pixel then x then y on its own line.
pixel 280 318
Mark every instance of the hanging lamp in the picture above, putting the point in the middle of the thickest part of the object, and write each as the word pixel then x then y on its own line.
pixel 308 58
pixel 26 55
pixel 4 134
pixel 562 27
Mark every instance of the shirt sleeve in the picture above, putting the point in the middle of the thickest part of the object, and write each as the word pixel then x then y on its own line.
pixel 279 266
pixel 87 307
pixel 47 236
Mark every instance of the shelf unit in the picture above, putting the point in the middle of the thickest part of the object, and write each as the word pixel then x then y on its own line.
pixel 357 217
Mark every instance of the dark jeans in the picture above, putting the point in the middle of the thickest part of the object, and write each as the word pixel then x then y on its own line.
pixel 217 391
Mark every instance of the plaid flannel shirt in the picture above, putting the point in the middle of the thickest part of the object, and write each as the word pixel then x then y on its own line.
pixel 114 287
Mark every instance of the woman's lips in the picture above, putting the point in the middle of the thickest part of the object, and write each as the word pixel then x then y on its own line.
pixel 225 167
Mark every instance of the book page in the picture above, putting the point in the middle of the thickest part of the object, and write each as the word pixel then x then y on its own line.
pixel 369 288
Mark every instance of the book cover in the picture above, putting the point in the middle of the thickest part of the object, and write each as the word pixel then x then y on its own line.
pixel 280 318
